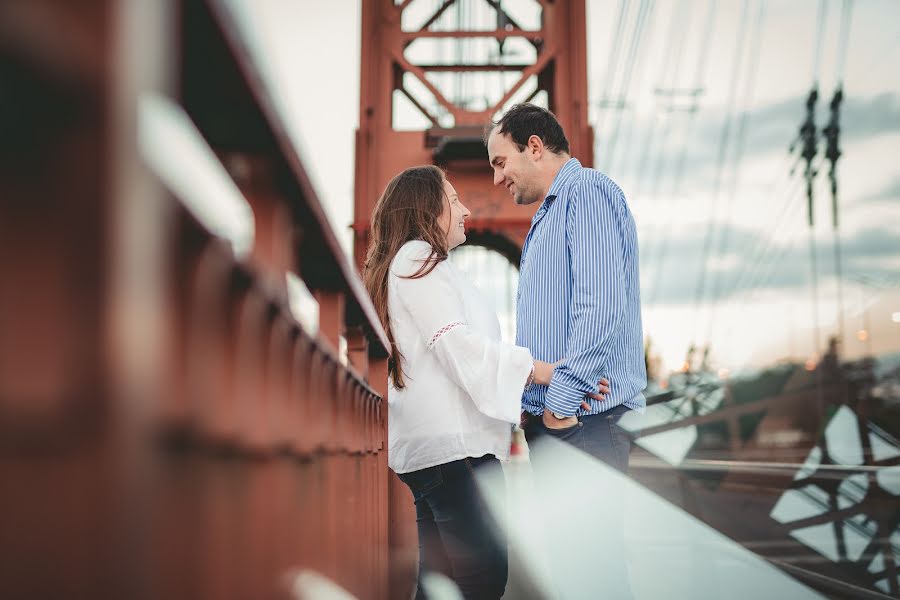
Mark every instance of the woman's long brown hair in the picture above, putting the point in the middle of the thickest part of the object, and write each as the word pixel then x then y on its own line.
pixel 409 209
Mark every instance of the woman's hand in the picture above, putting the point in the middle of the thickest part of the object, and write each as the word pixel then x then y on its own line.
pixel 543 372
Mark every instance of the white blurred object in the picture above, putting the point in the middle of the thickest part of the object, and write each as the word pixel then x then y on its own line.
pixel 562 535
pixel 529 577
pixel 438 586
pixel 307 584
pixel 178 154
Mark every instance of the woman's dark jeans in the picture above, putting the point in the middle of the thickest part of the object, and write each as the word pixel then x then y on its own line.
pixel 457 536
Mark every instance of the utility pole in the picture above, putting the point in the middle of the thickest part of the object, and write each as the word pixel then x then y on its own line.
pixel 831 133
pixel 809 138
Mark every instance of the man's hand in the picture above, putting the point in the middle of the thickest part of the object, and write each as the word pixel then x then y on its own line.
pixel 543 373
pixel 551 422
pixel 600 395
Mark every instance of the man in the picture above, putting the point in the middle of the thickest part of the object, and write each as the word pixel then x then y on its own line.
pixel 579 296
pixel 578 304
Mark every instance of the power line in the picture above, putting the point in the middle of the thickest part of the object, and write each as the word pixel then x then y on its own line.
pixel 758 256
pixel 820 37
pixel 699 84
pixel 757 271
pixel 724 139
pixel 809 135
pixel 767 265
pixel 671 91
pixel 674 27
pixel 645 10
pixel 780 183
pixel 627 116
pixel 611 69
pixel 843 44
pixel 832 153
pixel 748 95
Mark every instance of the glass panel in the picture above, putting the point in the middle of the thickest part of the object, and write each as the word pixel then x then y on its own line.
pixel 663 552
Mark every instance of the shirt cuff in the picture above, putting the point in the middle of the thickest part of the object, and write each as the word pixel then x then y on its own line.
pixel 562 399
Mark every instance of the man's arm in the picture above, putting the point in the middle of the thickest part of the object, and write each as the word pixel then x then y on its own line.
pixel 594 239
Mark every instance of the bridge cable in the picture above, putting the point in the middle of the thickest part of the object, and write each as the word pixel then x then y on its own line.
pixel 831 133
pixel 675 188
pixel 669 46
pixel 724 139
pixel 611 70
pixel 747 95
pixel 645 12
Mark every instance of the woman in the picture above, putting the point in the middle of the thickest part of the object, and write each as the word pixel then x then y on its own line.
pixel 455 388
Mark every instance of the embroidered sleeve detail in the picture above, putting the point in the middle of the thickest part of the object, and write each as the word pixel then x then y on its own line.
pixel 442 331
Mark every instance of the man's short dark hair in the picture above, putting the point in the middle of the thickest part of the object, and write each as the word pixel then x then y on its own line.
pixel 525 120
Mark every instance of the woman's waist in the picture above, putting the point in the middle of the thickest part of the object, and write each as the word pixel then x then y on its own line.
pixel 410 452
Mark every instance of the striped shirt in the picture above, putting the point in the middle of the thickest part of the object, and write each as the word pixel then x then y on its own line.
pixel 579 295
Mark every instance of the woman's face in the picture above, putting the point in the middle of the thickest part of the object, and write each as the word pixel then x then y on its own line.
pixel 453 217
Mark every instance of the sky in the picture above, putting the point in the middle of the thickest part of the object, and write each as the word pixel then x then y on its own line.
pixel 733 194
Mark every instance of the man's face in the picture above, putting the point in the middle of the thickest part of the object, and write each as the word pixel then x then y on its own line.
pixel 513 169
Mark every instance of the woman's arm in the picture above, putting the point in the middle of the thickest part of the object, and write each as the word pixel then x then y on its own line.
pixel 492 373
pixel 543 373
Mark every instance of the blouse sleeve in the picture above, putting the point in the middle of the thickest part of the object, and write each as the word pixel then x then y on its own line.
pixel 492 373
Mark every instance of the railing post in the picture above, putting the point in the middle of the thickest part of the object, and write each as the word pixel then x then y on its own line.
pixel 331 316
pixel 358 351
pixel 378 379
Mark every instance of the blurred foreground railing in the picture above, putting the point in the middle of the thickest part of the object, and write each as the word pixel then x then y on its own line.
pixel 168 428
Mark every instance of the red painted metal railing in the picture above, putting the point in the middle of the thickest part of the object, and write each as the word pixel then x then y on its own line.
pixel 167 428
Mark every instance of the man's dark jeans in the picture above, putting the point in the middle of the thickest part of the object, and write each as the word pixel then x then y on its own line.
pixel 457 535
pixel 598 435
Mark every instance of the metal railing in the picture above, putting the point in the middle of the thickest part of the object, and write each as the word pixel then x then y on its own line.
pixel 167 426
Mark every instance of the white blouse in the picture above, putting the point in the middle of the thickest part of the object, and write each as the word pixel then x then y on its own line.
pixel 463 384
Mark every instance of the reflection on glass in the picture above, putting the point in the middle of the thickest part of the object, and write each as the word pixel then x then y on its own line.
pixel 668 552
pixel 889 479
pixel 840 539
pixel 842 438
pixel 812 463
pixel 781 462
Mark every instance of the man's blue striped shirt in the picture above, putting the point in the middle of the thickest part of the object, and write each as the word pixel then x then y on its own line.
pixel 579 295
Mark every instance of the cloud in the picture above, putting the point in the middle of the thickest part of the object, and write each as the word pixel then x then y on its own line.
pixel 871 252
pixel 768 130
pixel 889 192
pixel 773 127
pixel 866 118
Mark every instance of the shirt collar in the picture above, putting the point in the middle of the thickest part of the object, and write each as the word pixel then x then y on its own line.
pixel 565 175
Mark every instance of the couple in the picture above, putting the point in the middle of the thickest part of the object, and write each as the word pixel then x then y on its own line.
pixel 455 389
